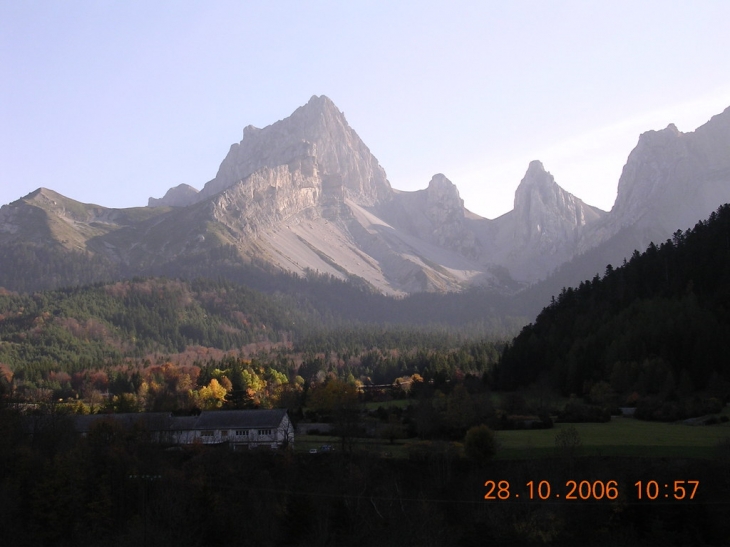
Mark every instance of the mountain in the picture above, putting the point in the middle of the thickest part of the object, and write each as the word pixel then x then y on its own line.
pixel 671 180
pixel 305 195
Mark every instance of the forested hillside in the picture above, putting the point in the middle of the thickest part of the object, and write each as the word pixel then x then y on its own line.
pixel 80 327
pixel 30 269
pixel 658 326
pixel 158 344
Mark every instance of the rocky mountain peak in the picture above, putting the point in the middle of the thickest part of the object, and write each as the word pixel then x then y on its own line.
pixel 305 195
pixel 646 170
pixel 179 196
pixel 318 130
pixel 673 179
pixel 537 184
pixel 545 211
pixel 445 210
pixel 441 193
pixel 250 130
pixel 535 173
pixel 320 105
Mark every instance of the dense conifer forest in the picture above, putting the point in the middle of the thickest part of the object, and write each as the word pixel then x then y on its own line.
pixel 656 328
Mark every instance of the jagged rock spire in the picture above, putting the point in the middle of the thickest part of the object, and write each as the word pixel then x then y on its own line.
pixel 544 207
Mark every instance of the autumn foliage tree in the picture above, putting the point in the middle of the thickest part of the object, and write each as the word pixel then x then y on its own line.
pixel 340 401
pixel 211 396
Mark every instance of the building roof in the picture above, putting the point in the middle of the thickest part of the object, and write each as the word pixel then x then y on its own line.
pixel 152 421
pixel 210 419
pixel 180 423
pixel 240 419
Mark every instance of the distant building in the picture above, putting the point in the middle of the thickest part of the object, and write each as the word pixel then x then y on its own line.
pixel 239 429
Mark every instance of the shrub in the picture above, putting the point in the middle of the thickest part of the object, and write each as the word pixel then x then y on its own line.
pixel 480 444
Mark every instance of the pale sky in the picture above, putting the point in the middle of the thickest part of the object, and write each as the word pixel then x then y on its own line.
pixel 111 102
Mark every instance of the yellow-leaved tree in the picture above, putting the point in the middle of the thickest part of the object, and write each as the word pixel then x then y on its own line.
pixel 211 396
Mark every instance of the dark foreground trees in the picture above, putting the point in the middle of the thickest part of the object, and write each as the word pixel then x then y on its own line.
pixel 116 488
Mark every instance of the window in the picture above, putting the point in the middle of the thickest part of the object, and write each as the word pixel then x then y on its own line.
pixel 206 433
pixel 264 432
pixel 242 432
pixel 224 433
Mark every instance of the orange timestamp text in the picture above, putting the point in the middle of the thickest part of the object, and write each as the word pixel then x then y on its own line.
pixel 584 490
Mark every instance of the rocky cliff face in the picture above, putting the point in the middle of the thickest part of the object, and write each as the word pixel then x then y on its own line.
pixel 445 209
pixel 317 130
pixel 436 215
pixel 546 214
pixel 269 196
pixel 676 178
pixel 671 181
pixel 542 229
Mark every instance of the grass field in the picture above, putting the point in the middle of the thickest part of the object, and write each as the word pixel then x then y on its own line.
pixel 619 437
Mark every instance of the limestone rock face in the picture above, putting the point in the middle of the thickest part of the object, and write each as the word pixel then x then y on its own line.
pixel 443 203
pixel 542 230
pixel 319 130
pixel 671 181
pixel 179 196
pixel 269 196
pixel 675 179
pixel 445 209
pixel 547 214
pixel 435 214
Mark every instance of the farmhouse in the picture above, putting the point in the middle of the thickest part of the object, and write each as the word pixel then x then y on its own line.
pixel 239 429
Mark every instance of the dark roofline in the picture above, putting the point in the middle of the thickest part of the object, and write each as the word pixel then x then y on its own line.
pixel 207 419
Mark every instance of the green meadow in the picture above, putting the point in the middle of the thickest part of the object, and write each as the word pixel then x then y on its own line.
pixel 619 437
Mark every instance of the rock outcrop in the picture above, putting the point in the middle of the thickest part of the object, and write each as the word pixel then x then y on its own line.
pixel 269 196
pixel 541 231
pixel 676 178
pixel 435 214
pixel 179 196
pixel 671 181
pixel 547 215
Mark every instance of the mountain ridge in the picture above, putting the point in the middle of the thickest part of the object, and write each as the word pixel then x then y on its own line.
pixel 305 195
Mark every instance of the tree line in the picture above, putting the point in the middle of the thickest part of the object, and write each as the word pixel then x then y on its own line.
pixel 655 329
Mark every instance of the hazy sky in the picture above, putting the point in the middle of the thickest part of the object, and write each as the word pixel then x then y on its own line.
pixel 112 102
